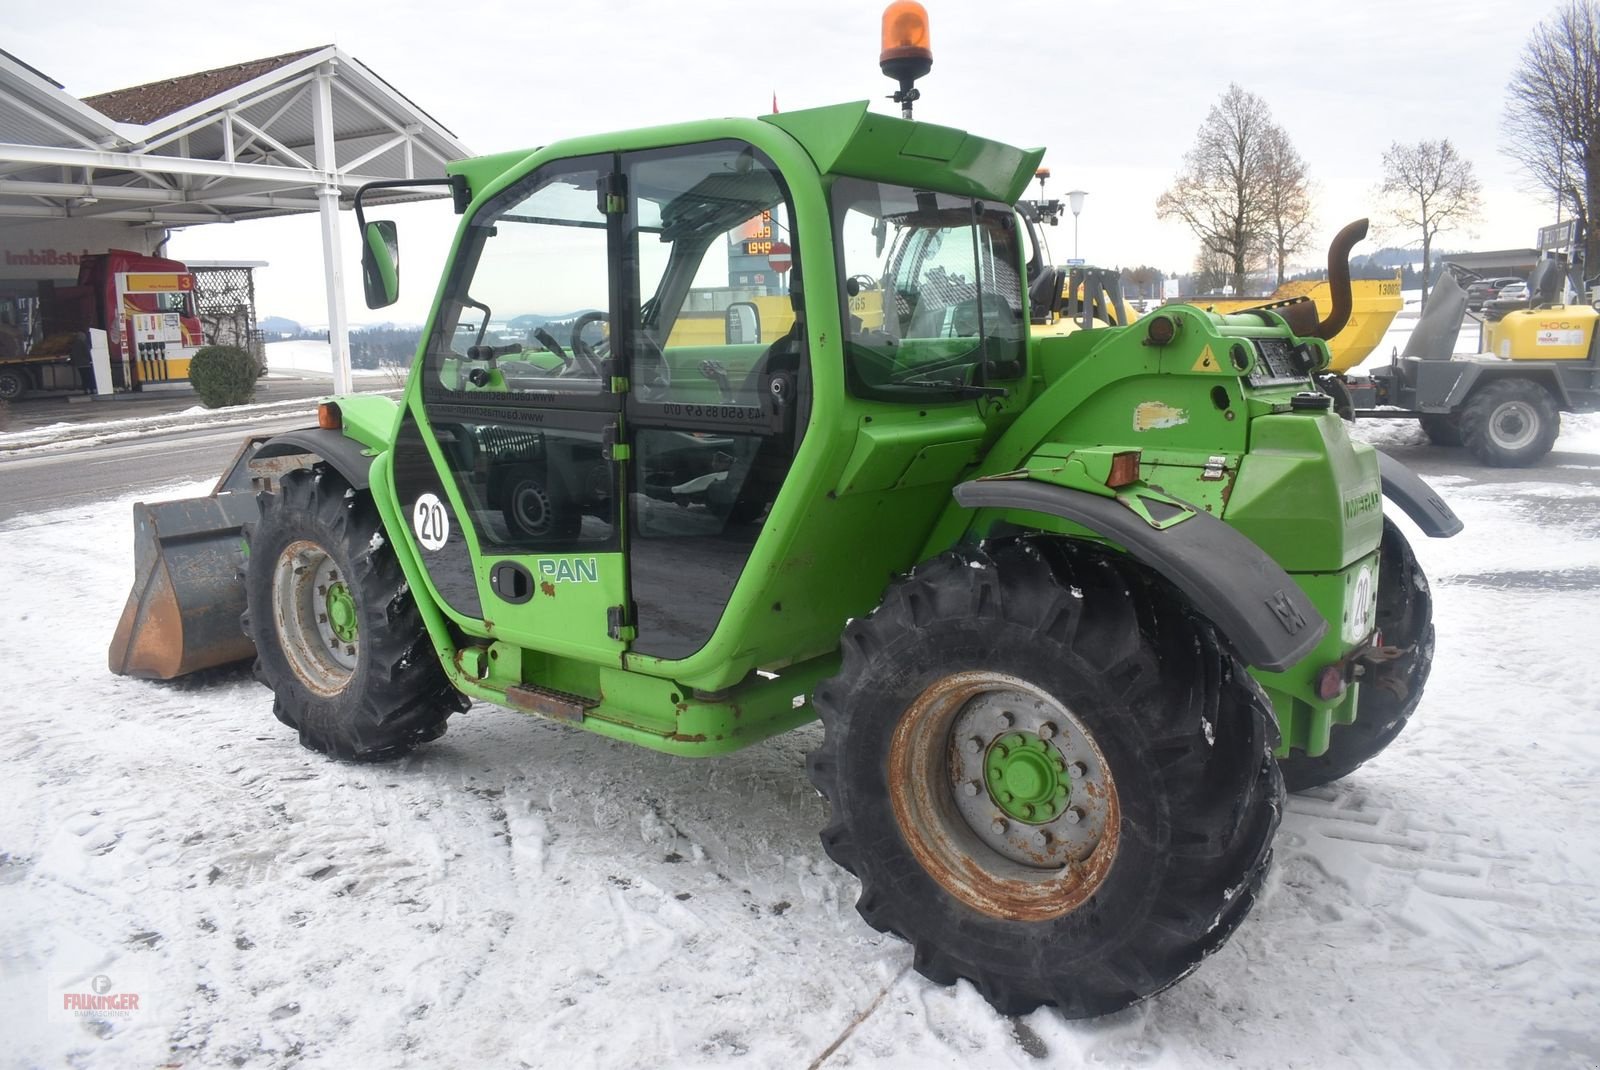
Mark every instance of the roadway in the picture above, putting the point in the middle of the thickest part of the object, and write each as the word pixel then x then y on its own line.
pixel 41 482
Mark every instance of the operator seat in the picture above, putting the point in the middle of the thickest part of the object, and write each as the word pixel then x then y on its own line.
pixel 762 462
pixel 1544 286
pixel 1044 294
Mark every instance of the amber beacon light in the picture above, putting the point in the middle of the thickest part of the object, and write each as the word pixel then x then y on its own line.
pixel 906 54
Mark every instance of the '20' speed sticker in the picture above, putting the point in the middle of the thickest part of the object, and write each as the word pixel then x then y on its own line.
pixel 430 521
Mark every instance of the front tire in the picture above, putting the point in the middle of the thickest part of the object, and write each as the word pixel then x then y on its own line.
pixel 1391 690
pixel 338 636
pixel 990 696
pixel 1510 423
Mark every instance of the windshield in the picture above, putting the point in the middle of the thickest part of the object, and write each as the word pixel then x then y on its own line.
pixel 933 288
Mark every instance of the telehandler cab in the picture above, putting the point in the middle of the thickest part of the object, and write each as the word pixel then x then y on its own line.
pixel 1070 608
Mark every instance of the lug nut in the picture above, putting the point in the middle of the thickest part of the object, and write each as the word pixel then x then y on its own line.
pixel 1047 730
pixel 1042 838
pixel 974 745
pixel 998 828
pixel 1078 770
pixel 1007 719
pixel 1073 816
pixel 970 788
pixel 1028 810
pixel 1005 796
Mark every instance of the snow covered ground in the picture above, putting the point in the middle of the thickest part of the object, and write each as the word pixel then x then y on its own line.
pixel 524 894
pixel 304 358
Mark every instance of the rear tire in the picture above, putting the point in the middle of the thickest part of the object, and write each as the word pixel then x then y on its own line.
pixel 1510 423
pixel 338 636
pixel 1170 749
pixel 1442 429
pixel 13 385
pixel 1390 693
pixel 535 509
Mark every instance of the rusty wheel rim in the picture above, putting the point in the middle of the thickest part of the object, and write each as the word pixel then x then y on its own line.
pixel 958 751
pixel 307 591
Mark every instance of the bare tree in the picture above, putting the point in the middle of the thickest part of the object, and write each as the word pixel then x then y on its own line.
pixel 1288 199
pixel 1431 187
pixel 1552 120
pixel 1212 271
pixel 1221 193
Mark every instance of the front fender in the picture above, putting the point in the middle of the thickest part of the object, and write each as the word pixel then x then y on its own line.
pixel 347 456
pixel 1232 581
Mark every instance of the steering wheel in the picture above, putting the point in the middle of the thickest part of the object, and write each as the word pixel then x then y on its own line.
pixel 583 351
pixel 651 374
pixel 548 340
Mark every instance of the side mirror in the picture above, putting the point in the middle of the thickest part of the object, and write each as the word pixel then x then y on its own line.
pixel 380 263
pixel 743 324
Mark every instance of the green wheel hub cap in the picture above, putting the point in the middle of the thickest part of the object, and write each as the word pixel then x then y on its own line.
pixel 341 609
pixel 1026 777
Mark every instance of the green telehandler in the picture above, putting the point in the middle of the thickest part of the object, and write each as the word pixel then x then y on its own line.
pixel 1072 608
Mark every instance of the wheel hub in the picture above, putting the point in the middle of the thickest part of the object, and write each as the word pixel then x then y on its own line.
pixel 341 610
pixel 1026 777
pixel 1513 425
pixel 532 508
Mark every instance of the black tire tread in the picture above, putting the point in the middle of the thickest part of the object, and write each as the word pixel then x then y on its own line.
pixel 1123 624
pixel 1480 407
pixel 399 696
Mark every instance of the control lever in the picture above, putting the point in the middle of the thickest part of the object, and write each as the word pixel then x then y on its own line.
pixel 489 353
pixel 717 373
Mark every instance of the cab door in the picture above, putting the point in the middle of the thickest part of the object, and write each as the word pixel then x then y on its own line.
pixel 718 380
pixel 510 472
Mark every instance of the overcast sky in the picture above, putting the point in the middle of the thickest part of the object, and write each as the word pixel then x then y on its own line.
pixel 1116 99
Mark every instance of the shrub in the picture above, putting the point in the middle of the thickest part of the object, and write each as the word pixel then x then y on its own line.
pixel 223 375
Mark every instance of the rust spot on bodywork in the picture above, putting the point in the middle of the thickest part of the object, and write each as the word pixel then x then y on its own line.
pixel 547 588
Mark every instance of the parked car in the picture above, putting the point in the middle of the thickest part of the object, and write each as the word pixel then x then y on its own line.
pixel 1513 291
pixel 1488 289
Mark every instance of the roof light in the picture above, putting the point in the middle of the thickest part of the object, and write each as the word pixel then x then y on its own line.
pixel 906 54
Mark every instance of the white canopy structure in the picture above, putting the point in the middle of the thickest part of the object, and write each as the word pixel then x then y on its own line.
pixel 292 133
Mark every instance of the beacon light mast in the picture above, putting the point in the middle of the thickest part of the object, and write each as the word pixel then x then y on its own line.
pixel 906 54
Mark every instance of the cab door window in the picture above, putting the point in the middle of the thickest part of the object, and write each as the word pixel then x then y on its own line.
pixel 517 381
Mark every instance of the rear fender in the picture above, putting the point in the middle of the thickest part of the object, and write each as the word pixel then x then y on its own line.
pixel 1232 581
pixel 1418 500
pixel 1476 374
